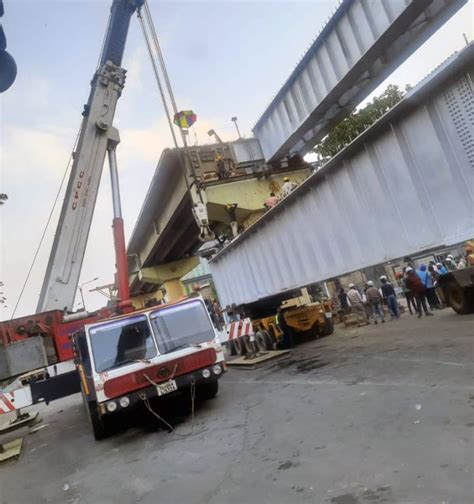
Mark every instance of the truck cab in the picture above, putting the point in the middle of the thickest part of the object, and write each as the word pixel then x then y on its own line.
pixel 143 355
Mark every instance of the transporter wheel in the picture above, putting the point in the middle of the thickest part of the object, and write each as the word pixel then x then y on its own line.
pixel 269 340
pixel 461 300
pixel 206 391
pixel 261 341
pixel 238 346
pixel 250 347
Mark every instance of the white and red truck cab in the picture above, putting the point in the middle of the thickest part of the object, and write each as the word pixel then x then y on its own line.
pixel 147 354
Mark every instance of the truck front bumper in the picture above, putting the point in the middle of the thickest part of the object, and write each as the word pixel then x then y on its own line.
pixel 183 383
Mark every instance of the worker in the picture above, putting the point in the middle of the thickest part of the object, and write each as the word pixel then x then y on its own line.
pixel 416 286
pixel 469 257
pixel 357 305
pixel 288 186
pixel 461 263
pixel 389 296
pixel 287 340
pixel 343 300
pixel 220 168
pixel 442 270
pixel 427 280
pixel 450 264
pixel 271 201
pixel 374 299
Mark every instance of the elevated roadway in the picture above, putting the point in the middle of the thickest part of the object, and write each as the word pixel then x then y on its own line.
pixel 362 43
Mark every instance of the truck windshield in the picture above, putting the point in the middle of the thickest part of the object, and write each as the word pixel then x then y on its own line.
pixel 181 326
pixel 121 342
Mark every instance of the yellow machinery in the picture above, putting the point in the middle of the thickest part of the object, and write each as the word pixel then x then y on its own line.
pixel 305 318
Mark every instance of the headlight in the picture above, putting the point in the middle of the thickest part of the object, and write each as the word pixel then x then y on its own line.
pixel 217 369
pixel 206 373
pixel 124 401
pixel 111 406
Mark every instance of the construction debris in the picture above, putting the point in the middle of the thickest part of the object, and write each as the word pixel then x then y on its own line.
pixel 11 449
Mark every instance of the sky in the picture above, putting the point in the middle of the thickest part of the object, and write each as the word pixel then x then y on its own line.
pixel 224 58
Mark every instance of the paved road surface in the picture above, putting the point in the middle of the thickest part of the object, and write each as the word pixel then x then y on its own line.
pixel 383 414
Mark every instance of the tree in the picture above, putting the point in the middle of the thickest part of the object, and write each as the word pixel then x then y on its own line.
pixel 357 122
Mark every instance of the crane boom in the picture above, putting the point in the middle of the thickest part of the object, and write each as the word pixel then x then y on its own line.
pixel 65 261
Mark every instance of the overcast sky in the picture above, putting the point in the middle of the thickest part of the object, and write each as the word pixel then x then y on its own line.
pixel 225 58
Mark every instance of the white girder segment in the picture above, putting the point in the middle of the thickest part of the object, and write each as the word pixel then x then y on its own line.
pixel 404 186
pixel 359 47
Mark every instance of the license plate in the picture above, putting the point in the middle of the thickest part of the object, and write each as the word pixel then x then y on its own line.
pixel 166 388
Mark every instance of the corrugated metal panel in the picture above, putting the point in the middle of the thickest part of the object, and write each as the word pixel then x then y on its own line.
pixel 362 43
pixel 405 185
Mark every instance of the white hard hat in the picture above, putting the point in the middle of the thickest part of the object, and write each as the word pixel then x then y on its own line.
pixel 450 259
pixel 409 268
pixel 370 283
pixel 383 277
pixel 450 256
pixel 351 286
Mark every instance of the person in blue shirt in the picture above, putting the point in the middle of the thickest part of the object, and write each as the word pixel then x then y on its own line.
pixel 427 280
pixel 442 270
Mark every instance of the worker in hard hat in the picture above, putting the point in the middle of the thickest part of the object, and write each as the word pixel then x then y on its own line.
pixel 357 304
pixel 450 264
pixel 288 186
pixel 374 299
pixel 221 168
pixel 390 297
pixel 414 283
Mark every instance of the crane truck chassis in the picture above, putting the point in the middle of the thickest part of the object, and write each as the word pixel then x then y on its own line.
pixel 41 345
pixel 126 359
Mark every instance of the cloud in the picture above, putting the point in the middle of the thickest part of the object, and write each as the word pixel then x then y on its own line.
pixel 33 153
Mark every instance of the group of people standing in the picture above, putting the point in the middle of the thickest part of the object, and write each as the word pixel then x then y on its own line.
pixel 369 304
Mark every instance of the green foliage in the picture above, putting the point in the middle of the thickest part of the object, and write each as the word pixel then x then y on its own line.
pixel 348 129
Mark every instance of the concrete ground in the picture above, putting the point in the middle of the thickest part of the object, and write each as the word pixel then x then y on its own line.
pixel 381 414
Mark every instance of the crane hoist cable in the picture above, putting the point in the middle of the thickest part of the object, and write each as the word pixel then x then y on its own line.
pixel 153 46
pixel 45 229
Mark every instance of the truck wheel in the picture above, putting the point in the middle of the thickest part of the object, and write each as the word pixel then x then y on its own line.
pixel 261 341
pixel 97 422
pixel 461 300
pixel 207 390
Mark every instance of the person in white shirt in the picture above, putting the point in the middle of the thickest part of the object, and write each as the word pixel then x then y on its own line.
pixel 357 304
pixel 288 186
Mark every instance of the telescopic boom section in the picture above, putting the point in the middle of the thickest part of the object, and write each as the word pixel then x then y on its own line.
pixel 65 261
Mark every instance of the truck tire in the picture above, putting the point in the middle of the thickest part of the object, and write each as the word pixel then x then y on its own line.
pixel 97 422
pixel 460 299
pixel 207 391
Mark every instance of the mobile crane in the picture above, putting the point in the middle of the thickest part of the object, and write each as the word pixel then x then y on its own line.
pixel 115 356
